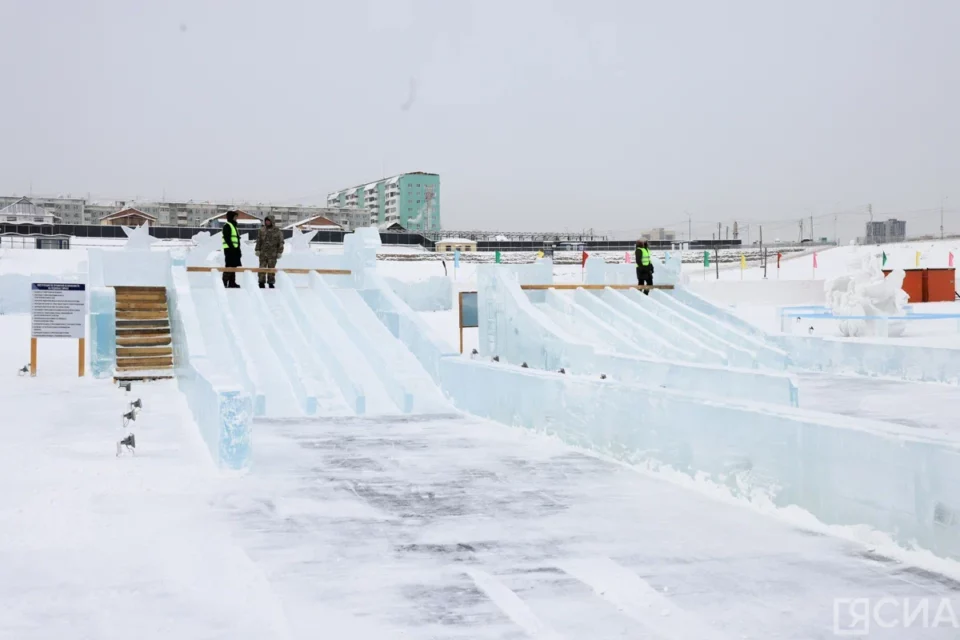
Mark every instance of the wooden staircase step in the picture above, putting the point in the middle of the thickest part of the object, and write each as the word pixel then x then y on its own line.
pixel 142 331
pixel 141 305
pixel 143 324
pixel 124 314
pixel 141 290
pixel 143 341
pixel 144 363
pixel 136 352
pixel 141 298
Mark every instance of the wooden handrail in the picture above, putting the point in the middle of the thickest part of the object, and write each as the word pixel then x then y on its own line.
pixel 327 272
pixel 641 287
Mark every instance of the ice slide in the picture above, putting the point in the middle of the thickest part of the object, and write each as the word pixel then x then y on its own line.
pixel 306 348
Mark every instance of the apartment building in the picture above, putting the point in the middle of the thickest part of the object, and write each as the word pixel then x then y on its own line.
pixel 410 199
pixel 881 231
pixel 67 210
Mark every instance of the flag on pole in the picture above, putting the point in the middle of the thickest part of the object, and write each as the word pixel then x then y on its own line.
pixel 496 257
pixel 918 258
pixel 779 255
pixel 884 263
pixel 540 254
pixel 456 258
pixel 706 259
pixel 950 259
pixel 583 260
pixel 626 256
pixel 743 262
pixel 814 259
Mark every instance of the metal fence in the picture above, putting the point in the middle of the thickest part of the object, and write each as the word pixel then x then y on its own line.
pixel 186 233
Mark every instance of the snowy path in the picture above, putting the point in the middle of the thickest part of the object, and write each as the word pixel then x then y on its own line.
pixel 98 547
pixel 448 527
pixel 912 404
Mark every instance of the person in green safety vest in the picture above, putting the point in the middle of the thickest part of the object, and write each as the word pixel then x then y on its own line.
pixel 644 265
pixel 231 249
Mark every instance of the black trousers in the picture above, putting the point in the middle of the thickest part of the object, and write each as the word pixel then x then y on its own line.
pixel 645 276
pixel 231 258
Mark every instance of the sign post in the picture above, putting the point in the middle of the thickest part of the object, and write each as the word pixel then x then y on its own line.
pixel 58 310
pixel 468 312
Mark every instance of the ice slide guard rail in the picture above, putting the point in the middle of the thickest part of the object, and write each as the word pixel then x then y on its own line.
pixel 327 272
pixel 222 410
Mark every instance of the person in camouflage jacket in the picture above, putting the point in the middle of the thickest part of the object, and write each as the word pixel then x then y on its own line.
pixel 269 249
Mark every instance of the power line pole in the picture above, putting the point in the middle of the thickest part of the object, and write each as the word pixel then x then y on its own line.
pixel 941 217
pixel 870 211
pixel 689 228
pixel 811 228
pixel 801 229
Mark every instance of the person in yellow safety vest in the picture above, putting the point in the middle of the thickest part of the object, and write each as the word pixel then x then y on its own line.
pixel 644 265
pixel 231 249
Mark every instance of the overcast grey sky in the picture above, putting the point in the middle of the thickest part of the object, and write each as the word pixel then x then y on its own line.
pixel 537 114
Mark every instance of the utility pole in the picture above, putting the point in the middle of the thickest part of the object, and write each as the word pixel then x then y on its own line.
pixel 870 211
pixel 836 238
pixel 941 217
pixel 801 229
pixel 689 228
pixel 811 229
pixel 764 253
pixel 719 237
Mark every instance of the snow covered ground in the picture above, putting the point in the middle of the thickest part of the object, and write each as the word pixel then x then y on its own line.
pixel 434 526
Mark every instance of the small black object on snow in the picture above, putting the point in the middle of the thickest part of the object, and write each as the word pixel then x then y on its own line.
pixel 562 370
pixel 524 366
pixel 129 416
pixel 474 352
pixel 24 371
pixel 130 442
pixel 496 358
pixel 603 376
pixel 136 404
pixel 123 385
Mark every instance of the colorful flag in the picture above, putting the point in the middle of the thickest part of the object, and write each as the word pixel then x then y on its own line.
pixel 706 258
pixel 884 263
pixel 779 255
pixel 743 262
pixel 626 256
pixel 814 259
pixel 540 254
pixel 496 257
pixel 583 260
pixel 918 258
pixel 950 259
pixel 456 258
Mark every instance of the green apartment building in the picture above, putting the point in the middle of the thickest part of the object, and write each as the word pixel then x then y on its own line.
pixel 412 199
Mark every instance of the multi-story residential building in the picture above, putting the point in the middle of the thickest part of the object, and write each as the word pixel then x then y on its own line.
pixel 881 231
pixel 188 214
pixel 410 199
pixel 68 210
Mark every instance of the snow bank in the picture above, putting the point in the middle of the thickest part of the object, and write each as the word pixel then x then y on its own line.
pixel 772 291
pixel 844 471
pixel 432 294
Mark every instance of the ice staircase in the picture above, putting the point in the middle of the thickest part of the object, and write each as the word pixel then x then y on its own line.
pixel 144 343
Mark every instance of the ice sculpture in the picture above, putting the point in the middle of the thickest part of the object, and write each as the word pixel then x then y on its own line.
pixel 865 292
pixel 138 237
pixel 205 245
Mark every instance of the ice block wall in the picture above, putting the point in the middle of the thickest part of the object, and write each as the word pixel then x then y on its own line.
pixel 222 409
pixel 103 331
pixel 666 270
pixel 431 294
pixel 831 466
pixel 407 325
